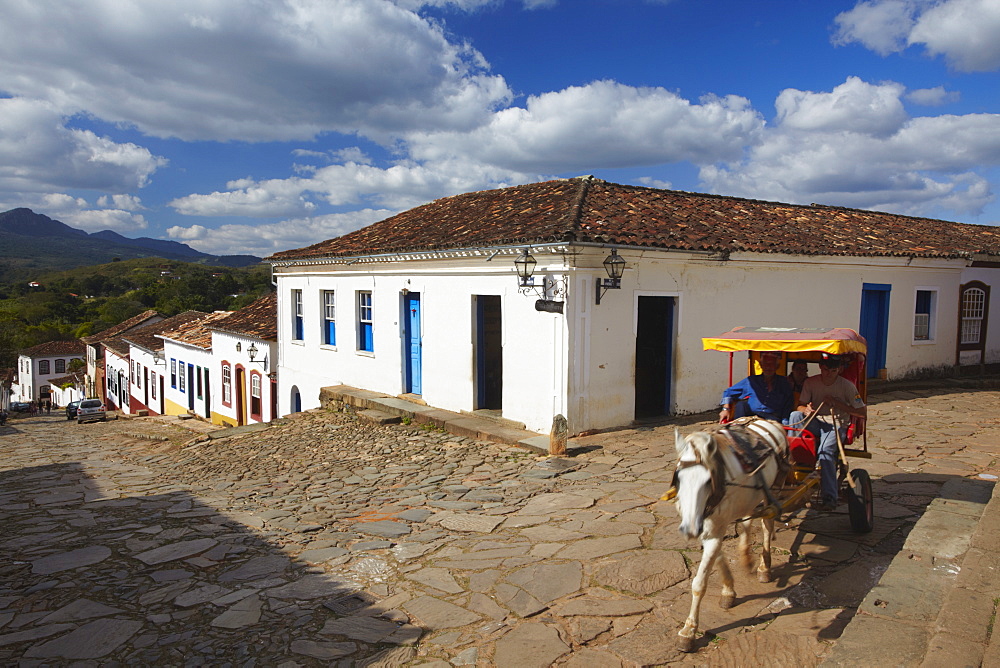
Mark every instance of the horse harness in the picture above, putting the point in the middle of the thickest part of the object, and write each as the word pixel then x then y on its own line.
pixel 752 449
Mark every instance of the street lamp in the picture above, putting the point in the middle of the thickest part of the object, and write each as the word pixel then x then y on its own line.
pixel 614 264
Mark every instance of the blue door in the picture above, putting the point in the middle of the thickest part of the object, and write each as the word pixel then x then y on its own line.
pixel 875 324
pixel 411 339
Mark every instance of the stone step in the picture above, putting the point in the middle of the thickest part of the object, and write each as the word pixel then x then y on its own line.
pixel 376 416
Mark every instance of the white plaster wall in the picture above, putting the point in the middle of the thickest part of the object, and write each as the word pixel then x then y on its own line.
pixel 582 363
pixel 224 349
pixel 187 354
pixel 714 296
pixel 145 359
pixel 113 363
pixel 28 375
pixel 534 370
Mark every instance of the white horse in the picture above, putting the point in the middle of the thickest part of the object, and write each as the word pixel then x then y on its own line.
pixel 724 475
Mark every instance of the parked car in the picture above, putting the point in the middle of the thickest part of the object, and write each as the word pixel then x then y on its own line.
pixel 71 408
pixel 89 410
pixel 20 406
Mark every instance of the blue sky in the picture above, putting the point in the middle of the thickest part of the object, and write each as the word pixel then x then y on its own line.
pixel 263 125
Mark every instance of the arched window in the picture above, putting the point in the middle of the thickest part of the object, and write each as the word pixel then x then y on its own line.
pixel 973 311
pixel 255 407
pixel 227 384
pixel 43 366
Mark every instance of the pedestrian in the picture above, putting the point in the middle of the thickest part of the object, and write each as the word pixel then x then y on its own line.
pixel 32 408
pixel 48 407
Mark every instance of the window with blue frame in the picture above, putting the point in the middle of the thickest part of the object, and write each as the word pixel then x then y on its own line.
pixel 180 377
pixel 365 341
pixel 923 315
pixel 329 318
pixel 297 329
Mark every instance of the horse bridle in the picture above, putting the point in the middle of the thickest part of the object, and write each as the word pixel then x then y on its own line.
pixel 715 474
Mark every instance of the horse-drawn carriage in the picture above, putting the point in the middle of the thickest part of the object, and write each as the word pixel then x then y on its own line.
pixel 753 468
pixel 812 345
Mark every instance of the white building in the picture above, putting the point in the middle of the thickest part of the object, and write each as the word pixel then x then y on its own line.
pixel 116 375
pixel 68 388
pixel 96 385
pixel 190 378
pixel 427 302
pixel 148 368
pixel 36 366
pixel 245 347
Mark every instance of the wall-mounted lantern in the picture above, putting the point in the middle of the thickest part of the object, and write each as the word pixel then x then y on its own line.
pixel 525 265
pixel 550 290
pixel 252 354
pixel 615 266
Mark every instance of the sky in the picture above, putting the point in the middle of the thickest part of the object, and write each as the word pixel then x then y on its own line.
pixel 255 126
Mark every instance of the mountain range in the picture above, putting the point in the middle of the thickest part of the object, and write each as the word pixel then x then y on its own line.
pixel 31 243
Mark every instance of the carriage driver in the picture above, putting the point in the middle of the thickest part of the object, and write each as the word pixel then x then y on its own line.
pixel 765 395
pixel 840 401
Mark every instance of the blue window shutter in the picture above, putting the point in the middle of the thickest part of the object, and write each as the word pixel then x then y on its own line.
pixel 331 333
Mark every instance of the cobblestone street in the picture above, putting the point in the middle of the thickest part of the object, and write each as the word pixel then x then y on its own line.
pixel 325 540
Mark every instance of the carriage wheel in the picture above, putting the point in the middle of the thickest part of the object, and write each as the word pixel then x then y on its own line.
pixel 860 502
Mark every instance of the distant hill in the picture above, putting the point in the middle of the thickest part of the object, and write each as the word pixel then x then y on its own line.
pixel 31 243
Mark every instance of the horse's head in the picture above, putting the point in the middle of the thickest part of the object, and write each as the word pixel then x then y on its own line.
pixel 693 480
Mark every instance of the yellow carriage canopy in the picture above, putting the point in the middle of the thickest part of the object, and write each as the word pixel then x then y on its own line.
pixel 836 341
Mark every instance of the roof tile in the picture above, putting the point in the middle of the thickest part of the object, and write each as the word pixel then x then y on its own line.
pixel 258 319
pixel 586 209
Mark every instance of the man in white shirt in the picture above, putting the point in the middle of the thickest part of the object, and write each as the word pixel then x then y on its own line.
pixel 834 400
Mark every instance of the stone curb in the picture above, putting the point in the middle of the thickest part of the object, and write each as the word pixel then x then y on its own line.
pixel 934 605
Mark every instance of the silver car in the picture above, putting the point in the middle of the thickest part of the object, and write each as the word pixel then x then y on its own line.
pixel 90 409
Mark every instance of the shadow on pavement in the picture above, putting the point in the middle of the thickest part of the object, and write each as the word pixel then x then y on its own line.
pixel 166 580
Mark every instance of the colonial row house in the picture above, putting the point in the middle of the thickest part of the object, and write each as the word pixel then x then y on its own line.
pixel 69 388
pixel 186 387
pixel 38 365
pixel 589 299
pixel 147 368
pixel 96 384
pixel 220 366
pixel 245 349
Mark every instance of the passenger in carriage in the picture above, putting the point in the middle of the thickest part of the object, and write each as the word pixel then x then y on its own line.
pixel 800 371
pixel 834 400
pixel 765 395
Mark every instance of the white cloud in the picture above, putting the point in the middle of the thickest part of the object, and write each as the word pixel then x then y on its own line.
pixel 965 32
pixel 267 199
pixel 38 153
pixel 603 124
pixel 880 25
pixel 77 212
pixel 932 97
pixel 655 183
pixel 263 240
pixel 123 202
pixel 95 220
pixel 920 166
pixel 398 187
pixel 218 70
pixel 854 106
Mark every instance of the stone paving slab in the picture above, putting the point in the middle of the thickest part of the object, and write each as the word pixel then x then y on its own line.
pixel 577 560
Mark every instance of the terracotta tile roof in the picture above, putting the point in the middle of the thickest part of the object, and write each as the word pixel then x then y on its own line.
pixel 590 210
pixel 146 336
pixel 117 345
pixel 76 378
pixel 258 319
pixel 124 326
pixel 196 332
pixel 56 348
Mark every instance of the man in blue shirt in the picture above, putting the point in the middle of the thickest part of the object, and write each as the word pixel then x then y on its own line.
pixel 766 395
